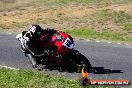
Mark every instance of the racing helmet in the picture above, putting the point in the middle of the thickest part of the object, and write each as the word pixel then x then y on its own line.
pixel 34 29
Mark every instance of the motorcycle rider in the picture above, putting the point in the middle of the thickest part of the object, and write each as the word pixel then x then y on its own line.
pixel 35 38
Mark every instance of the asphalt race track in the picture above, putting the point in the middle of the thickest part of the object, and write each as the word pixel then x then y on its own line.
pixel 112 61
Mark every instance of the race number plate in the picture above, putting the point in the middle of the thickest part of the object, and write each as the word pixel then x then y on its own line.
pixel 68 43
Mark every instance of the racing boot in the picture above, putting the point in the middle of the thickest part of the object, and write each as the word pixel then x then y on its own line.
pixel 33 61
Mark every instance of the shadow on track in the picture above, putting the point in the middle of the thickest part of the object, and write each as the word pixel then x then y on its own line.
pixel 101 70
pixel 96 70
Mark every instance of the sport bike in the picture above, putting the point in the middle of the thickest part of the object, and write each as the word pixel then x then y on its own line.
pixel 64 58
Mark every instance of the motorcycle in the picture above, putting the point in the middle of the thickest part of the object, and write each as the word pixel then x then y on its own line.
pixel 65 57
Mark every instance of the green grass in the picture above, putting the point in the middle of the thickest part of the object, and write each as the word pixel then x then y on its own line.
pixel 92 34
pixel 14 5
pixel 119 17
pixel 52 3
pixel 100 2
pixel 127 26
pixel 111 24
pixel 20 24
pixel 33 79
pixel 1 29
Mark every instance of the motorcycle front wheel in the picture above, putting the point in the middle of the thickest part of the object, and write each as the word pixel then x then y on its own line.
pixel 75 62
pixel 80 62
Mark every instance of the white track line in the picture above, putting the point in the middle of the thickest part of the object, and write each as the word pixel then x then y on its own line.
pixel 8 67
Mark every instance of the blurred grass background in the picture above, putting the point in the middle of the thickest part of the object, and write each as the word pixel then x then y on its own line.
pixel 100 16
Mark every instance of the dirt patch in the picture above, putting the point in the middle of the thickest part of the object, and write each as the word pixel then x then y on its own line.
pixel 8 1
pixel 65 17
pixel 121 7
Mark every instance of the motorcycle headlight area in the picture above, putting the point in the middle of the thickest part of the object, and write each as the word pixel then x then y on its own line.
pixel 59 37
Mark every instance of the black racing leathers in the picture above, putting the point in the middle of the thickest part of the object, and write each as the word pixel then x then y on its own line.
pixel 36 40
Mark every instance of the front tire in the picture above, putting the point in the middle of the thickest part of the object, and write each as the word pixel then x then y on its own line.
pixel 82 61
pixel 75 61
